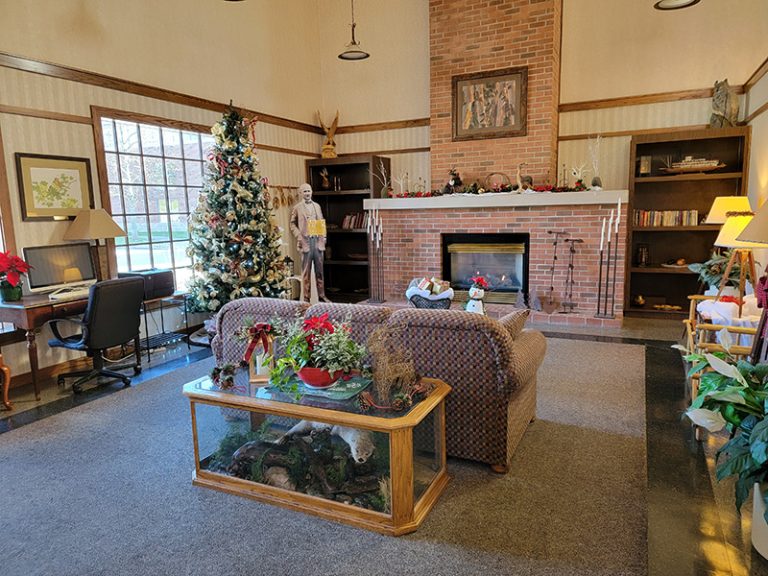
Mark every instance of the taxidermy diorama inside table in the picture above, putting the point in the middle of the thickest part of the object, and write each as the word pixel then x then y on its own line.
pixel 323 452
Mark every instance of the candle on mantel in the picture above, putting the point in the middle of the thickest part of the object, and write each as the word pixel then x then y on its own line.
pixel 618 215
pixel 610 226
pixel 602 235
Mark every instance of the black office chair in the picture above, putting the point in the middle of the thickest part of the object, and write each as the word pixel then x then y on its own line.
pixel 112 318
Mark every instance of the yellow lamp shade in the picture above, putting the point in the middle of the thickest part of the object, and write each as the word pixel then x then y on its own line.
pixel 733 227
pixel 757 230
pixel 718 213
pixel 93 224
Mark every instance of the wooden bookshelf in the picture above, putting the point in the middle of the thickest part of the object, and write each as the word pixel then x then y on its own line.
pixel 694 191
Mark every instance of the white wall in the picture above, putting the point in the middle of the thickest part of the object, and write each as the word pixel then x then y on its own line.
pixel 261 53
pixel 615 48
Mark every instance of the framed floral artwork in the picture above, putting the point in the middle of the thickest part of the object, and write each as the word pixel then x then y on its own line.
pixel 491 104
pixel 53 187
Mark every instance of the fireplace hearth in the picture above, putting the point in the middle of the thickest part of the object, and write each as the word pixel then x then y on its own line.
pixel 502 259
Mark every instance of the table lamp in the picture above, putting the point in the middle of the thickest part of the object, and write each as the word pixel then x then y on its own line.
pixel 735 224
pixel 94 224
pixel 724 204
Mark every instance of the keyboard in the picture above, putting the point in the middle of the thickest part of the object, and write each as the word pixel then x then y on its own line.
pixel 74 294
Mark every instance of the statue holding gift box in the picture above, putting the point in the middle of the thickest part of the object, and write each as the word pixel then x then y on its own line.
pixel 308 227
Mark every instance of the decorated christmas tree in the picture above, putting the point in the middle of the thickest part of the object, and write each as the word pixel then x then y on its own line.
pixel 234 244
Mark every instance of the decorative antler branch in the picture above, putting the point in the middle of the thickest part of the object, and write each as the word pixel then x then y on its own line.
pixel 594 154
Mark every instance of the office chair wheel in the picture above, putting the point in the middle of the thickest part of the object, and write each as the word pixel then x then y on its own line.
pixel 126 381
pixel 60 381
pixel 136 370
pixel 76 389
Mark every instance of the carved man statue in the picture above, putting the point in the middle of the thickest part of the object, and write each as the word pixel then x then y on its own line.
pixel 308 227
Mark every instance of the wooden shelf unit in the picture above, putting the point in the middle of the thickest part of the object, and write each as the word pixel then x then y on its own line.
pixel 695 191
pixel 355 177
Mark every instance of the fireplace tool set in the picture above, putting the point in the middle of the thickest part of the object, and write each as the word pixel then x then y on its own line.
pixel 606 284
pixel 375 231
pixel 558 234
pixel 568 303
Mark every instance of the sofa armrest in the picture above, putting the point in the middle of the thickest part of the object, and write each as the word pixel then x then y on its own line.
pixel 515 321
pixel 527 353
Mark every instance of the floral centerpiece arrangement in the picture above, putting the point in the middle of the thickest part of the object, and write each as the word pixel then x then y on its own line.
pixel 12 268
pixel 317 351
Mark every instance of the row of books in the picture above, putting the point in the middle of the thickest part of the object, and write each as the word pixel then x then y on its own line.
pixel 656 218
pixel 354 220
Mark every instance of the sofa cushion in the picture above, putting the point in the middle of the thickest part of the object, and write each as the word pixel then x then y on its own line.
pixel 362 318
pixel 515 321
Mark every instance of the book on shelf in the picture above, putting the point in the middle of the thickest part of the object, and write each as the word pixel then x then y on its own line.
pixel 665 218
pixel 354 220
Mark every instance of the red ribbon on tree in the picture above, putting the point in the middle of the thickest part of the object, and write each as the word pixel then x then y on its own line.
pixel 258 333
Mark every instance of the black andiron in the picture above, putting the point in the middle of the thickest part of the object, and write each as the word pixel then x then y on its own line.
pixel 558 234
pixel 568 303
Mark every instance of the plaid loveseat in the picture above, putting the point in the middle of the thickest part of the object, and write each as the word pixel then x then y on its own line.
pixel 490 364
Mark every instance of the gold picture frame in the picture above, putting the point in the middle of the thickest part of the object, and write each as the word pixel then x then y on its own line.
pixel 491 104
pixel 53 187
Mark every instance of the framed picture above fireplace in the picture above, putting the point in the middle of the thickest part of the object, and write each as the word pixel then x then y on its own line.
pixel 492 104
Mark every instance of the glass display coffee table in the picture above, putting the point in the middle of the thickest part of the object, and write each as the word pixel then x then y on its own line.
pixel 381 470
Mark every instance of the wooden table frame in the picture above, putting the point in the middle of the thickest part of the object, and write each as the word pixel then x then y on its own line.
pixel 30 314
pixel 406 515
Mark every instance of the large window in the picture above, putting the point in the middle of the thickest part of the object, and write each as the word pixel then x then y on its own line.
pixel 155 175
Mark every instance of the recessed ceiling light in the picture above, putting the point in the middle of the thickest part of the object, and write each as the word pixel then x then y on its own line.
pixel 674 4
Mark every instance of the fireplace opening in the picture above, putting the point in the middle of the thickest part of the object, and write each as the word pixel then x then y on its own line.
pixel 502 259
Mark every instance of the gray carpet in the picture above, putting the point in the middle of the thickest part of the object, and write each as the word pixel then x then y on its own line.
pixel 106 489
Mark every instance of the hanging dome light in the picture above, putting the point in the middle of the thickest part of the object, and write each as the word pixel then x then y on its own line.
pixel 674 4
pixel 353 50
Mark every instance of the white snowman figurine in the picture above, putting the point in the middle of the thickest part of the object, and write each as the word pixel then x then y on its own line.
pixel 476 294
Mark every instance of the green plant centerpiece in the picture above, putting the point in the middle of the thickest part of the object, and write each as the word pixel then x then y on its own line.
pixel 732 395
pixel 711 272
pixel 317 351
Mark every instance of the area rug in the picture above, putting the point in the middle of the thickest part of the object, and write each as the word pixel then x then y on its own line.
pixel 106 488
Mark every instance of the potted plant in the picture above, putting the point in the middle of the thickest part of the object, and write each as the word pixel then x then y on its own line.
pixel 317 351
pixel 11 270
pixel 711 272
pixel 734 396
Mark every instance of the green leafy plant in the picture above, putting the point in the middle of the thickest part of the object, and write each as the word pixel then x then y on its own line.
pixel 314 342
pixel 732 395
pixel 711 272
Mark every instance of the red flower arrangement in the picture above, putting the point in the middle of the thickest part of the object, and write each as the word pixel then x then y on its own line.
pixel 12 268
pixel 479 282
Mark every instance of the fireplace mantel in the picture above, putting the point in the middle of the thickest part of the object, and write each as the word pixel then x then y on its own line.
pixel 500 200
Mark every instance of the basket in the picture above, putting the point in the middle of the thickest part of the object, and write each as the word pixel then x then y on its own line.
pixel 421 302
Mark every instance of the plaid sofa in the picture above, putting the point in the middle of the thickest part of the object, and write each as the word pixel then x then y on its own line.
pixel 490 364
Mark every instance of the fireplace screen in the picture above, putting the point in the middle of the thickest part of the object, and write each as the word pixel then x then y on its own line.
pixel 503 263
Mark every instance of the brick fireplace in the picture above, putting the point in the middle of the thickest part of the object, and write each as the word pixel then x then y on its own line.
pixel 413 228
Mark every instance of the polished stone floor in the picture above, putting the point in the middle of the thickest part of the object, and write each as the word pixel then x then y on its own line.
pixel 693 526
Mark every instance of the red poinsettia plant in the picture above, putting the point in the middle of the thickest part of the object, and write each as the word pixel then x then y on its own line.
pixel 11 269
pixel 314 342
pixel 479 282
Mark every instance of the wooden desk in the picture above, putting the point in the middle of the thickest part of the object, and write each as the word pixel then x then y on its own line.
pixel 30 313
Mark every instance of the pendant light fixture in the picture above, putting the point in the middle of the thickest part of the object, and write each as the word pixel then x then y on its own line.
pixel 353 50
pixel 674 4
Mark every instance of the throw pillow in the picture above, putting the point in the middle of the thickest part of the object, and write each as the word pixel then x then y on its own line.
pixel 514 322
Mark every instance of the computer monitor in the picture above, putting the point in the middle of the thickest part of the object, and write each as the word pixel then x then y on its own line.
pixel 60 266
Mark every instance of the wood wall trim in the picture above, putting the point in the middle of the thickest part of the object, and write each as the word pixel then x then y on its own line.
pixel 98 112
pixel 6 224
pixel 48 372
pixel 112 83
pixel 34 113
pixel 376 126
pixel 384 152
pixel 620 133
pixel 756 113
pixel 756 76
pixel 642 99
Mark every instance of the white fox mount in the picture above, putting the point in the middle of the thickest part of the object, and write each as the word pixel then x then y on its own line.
pixel 360 441
pixel 328 150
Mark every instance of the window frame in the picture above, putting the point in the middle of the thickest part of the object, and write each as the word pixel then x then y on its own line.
pixel 99 113
pixel 9 334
